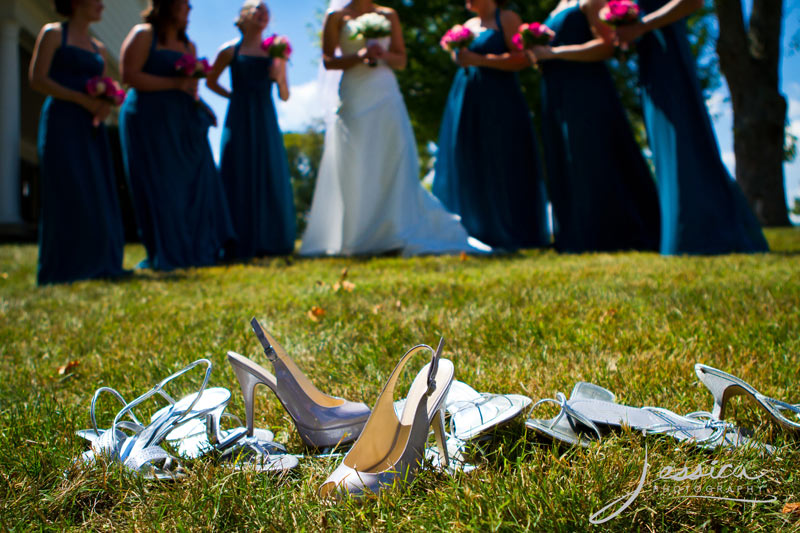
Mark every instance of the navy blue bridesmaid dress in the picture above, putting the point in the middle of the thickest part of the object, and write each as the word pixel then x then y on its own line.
pixel 80 230
pixel 703 210
pixel 487 164
pixel 603 194
pixel 254 166
pixel 177 192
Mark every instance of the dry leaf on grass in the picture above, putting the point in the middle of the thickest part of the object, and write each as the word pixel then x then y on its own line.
pixel 791 508
pixel 316 313
pixel 62 370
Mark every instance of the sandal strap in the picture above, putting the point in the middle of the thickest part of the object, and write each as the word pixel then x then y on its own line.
pixel 571 414
pixel 146 456
pixel 705 421
pixel 156 430
pixel 457 407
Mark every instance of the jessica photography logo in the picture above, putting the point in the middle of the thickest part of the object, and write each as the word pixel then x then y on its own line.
pixel 711 481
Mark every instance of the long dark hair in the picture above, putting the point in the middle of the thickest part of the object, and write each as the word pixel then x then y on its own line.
pixel 159 14
pixel 64 7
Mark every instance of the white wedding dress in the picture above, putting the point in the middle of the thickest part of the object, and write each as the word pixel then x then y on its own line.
pixel 368 198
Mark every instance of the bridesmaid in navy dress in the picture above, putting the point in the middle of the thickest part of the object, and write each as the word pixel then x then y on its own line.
pixel 80 230
pixel 254 165
pixel 177 192
pixel 603 194
pixel 487 165
pixel 703 210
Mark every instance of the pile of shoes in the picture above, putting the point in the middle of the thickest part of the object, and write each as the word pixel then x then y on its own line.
pixel 388 442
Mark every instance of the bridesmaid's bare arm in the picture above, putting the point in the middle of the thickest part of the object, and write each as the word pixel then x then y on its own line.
pixel 135 51
pixel 279 74
pixel 513 60
pixel 48 41
pixel 598 49
pixel 223 60
pixel 669 13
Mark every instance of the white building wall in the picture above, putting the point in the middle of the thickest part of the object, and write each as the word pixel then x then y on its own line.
pixel 17 16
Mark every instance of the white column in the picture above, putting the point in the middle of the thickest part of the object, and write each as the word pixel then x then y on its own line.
pixel 9 122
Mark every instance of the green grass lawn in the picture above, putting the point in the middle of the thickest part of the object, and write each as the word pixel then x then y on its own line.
pixel 533 323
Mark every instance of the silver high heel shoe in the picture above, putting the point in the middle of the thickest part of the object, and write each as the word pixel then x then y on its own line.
pixel 322 421
pixel 725 386
pixel 390 448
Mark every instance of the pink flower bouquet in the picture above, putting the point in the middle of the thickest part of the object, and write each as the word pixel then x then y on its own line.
pixel 456 38
pixel 107 89
pixel 620 13
pixel 533 34
pixel 278 47
pixel 191 67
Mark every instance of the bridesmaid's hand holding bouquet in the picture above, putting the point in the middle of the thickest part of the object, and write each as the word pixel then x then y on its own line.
pixel 277 47
pixel 622 14
pixel 191 67
pixel 108 92
pixel 457 38
pixel 534 39
pixel 533 34
pixel 107 89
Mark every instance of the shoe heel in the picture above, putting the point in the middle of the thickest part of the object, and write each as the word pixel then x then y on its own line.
pixel 441 440
pixel 721 389
pixel 247 382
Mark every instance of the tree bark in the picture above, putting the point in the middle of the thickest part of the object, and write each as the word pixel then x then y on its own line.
pixel 750 61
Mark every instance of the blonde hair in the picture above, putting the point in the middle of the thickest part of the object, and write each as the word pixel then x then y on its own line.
pixel 245 10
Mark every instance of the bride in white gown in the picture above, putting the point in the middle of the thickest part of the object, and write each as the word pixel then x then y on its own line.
pixel 368 198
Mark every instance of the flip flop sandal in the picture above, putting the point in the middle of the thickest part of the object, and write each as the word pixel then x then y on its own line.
pixel 568 426
pixel 699 428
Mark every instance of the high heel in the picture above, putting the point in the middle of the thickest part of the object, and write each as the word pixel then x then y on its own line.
pixel 724 386
pixel 321 420
pixel 390 448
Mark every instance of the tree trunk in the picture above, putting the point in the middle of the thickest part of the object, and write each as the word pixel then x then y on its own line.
pixel 750 61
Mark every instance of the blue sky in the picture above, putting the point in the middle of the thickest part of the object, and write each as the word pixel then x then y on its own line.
pixel 212 24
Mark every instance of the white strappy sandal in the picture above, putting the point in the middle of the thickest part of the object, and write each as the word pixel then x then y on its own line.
pixel 724 386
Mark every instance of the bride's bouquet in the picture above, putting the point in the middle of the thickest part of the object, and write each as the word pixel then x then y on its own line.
pixel 370 27
pixel 277 47
pixel 457 38
pixel 533 34
pixel 620 13
pixel 191 67
pixel 107 89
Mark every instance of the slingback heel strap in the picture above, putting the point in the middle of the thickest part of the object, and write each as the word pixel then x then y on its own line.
pixel 434 368
pixel 269 351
